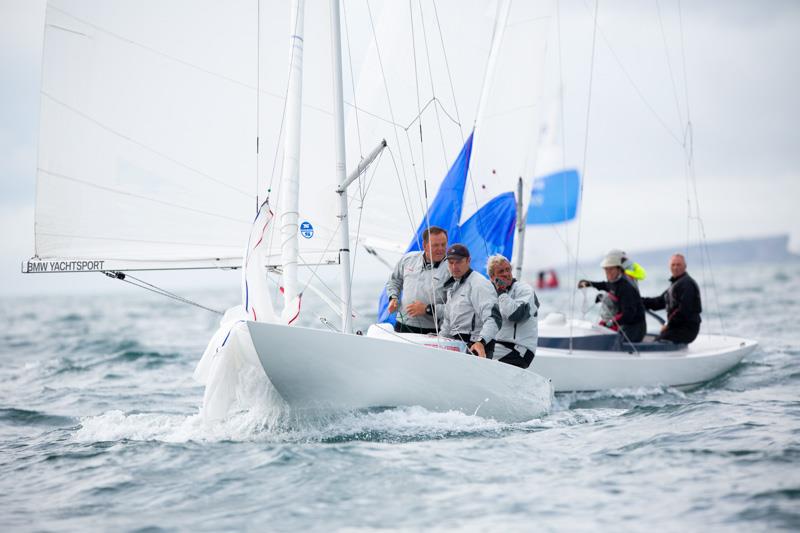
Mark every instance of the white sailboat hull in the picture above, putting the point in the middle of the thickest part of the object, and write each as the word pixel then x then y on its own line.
pixel 323 371
pixel 708 357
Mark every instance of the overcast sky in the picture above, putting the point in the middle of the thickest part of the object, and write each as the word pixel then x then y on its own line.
pixel 743 84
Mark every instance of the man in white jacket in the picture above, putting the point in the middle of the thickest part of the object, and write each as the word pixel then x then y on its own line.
pixel 418 278
pixel 515 343
pixel 471 313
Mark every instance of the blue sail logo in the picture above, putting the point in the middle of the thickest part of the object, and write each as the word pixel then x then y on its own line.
pixel 306 229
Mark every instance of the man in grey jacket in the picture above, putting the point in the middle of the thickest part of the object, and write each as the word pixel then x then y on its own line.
pixel 420 277
pixel 471 313
pixel 519 307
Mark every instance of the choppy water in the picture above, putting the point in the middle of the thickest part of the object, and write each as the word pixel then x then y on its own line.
pixel 99 430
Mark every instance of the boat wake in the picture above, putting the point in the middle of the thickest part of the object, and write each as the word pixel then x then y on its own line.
pixel 624 398
pixel 390 425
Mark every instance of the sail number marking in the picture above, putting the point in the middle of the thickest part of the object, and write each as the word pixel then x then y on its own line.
pixel 306 229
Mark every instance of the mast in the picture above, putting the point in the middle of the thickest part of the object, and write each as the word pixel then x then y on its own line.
pixel 519 247
pixel 341 174
pixel 290 182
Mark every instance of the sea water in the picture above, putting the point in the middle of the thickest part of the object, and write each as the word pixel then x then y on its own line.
pixel 99 430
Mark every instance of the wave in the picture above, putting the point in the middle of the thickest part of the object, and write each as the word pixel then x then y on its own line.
pixel 24 417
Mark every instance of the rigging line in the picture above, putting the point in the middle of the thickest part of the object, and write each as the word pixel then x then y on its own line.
pixel 583 168
pixel 687 132
pixel 122 276
pixel 669 63
pixel 447 114
pixel 283 109
pixel 358 236
pixel 352 80
pixel 449 74
pixel 153 50
pixel 562 126
pixel 170 294
pixel 386 91
pixel 402 194
pixel 148 241
pixel 376 116
pixel 279 143
pixel 433 87
pixel 424 199
pixel 683 61
pixel 138 196
pixel 689 151
pixel 144 146
pixel 416 179
pixel 258 102
pixel 351 201
pixel 422 146
pixel 481 103
pixel 314 270
pixel 371 180
pixel 638 91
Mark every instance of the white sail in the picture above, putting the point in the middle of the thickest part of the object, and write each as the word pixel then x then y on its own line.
pixel 147 152
pixel 146 148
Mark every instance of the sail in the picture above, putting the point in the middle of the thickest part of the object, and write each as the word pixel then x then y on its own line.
pixel 507 129
pixel 146 132
pixel 149 125
pixel 490 231
pixel 445 212
pixel 554 198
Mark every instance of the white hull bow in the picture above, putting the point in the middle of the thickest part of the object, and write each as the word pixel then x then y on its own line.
pixel 323 372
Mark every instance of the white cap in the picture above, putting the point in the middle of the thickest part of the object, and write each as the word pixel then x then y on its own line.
pixel 612 259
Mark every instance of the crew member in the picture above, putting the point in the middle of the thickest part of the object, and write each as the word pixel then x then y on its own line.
pixel 519 309
pixel 682 302
pixel 628 317
pixel 419 278
pixel 471 313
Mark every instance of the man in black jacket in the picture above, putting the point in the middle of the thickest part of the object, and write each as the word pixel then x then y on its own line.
pixel 627 305
pixel 682 302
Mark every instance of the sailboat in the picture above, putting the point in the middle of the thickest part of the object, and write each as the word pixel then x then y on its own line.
pixel 576 354
pixel 166 140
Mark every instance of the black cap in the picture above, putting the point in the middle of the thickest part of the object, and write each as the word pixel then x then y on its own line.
pixel 457 250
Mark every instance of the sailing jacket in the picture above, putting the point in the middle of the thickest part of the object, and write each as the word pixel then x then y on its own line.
pixel 471 308
pixel 519 308
pixel 417 279
pixel 629 308
pixel 682 301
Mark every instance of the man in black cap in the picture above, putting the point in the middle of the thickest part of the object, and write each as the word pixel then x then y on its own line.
pixel 471 312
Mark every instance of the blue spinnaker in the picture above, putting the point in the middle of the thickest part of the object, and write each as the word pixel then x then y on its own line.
pixel 444 211
pixel 490 231
pixel 554 198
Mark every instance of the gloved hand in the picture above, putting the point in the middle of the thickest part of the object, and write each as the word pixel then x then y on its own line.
pixel 584 283
pixel 500 285
pixel 599 297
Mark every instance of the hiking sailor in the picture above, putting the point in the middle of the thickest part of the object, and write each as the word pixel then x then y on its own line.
pixel 471 313
pixel 628 318
pixel 633 271
pixel 419 276
pixel 519 309
pixel 682 302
